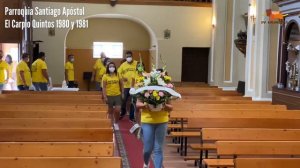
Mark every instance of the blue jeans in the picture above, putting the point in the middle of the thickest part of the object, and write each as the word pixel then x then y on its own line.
pixel 154 139
pixel 39 86
pixel 124 103
pixel 22 87
pixel 1 86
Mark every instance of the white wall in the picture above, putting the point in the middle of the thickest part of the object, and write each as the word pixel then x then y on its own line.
pixel 190 27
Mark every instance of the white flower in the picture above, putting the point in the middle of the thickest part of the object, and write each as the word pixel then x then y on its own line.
pixel 147 81
pixel 161 82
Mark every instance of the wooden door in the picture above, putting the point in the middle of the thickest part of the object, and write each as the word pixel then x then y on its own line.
pixel 194 64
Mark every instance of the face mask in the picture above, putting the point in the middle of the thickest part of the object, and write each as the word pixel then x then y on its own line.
pixel 112 69
pixel 27 60
pixel 72 59
pixel 102 59
pixel 129 59
pixel 140 69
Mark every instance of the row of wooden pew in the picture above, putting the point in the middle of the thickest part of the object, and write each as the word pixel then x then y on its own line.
pixel 55 130
pixel 229 130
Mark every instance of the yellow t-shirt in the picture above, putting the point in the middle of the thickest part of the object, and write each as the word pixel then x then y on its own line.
pixel 3 68
pixel 154 117
pixel 100 70
pixel 22 66
pixel 37 74
pixel 113 87
pixel 70 67
pixel 128 71
pixel 138 80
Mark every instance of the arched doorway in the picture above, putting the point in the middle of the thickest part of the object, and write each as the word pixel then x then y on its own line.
pixel 134 36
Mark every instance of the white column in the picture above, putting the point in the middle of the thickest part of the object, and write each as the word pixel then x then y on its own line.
pixel 262 52
pixel 249 90
pixel 257 53
pixel 218 47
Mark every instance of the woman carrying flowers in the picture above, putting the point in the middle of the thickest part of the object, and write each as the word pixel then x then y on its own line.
pixel 112 89
pixel 154 128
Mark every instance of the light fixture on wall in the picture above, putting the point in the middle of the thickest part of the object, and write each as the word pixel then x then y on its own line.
pixel 213 22
pixel 113 2
pixel 252 12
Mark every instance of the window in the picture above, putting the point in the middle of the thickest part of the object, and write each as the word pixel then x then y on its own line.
pixel 111 49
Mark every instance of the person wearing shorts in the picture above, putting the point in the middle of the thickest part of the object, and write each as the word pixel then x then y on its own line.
pixel 112 91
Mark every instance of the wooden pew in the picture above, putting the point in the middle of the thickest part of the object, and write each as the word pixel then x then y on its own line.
pixel 194 106
pixel 210 135
pixel 243 123
pixel 56 134
pixel 217 122
pixel 56 149
pixel 54 123
pixel 48 101
pixel 253 148
pixel 53 114
pixel 43 107
pixel 220 102
pixel 60 162
pixel 49 96
pixel 53 92
pixel 267 162
pixel 193 98
pixel 267 113
pixel 76 137
pixel 250 134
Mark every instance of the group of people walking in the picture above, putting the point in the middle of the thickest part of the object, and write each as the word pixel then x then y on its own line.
pixel 116 84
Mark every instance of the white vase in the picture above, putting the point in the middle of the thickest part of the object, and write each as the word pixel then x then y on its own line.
pixel 159 107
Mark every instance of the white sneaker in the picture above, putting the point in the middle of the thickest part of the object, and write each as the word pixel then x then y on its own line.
pixel 134 128
pixel 146 166
pixel 116 127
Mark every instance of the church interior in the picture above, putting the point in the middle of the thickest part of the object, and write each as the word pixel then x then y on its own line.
pixel 150 83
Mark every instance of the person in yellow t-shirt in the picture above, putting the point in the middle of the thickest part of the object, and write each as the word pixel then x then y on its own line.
pixel 40 77
pixel 99 71
pixel 137 81
pixel 23 73
pixel 3 71
pixel 69 72
pixel 127 71
pixel 112 88
pixel 154 128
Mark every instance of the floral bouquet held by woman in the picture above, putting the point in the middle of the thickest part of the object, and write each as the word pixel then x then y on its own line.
pixel 154 89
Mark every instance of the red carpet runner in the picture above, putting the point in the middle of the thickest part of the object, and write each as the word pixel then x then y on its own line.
pixel 133 146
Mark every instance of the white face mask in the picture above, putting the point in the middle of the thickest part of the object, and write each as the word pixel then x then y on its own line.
pixel 112 69
pixel 72 59
pixel 103 59
pixel 129 59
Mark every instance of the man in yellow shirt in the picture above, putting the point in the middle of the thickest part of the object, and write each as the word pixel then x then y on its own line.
pixel 69 72
pixel 40 78
pixel 99 71
pixel 23 73
pixel 3 71
pixel 127 71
